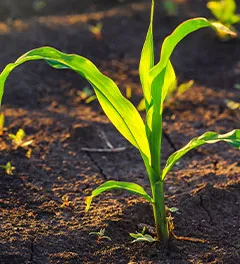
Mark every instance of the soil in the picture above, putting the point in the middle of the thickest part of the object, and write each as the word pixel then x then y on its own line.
pixel 204 185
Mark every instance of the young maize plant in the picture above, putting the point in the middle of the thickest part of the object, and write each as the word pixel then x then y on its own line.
pixel 146 137
pixel 225 12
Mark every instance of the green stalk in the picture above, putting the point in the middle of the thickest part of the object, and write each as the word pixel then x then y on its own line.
pixel 157 185
pixel 159 211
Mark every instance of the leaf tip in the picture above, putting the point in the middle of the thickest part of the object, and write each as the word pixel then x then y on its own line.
pixel 88 202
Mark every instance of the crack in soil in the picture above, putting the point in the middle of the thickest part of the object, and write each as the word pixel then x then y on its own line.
pixel 220 109
pixel 206 210
pixel 169 140
pixel 97 165
pixel 31 250
pixel 215 164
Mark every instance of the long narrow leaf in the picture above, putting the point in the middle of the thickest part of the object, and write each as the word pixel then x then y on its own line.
pixel 162 76
pixel 164 80
pixel 169 45
pixel 111 185
pixel 178 34
pixel 119 110
pixel 232 138
pixel 147 61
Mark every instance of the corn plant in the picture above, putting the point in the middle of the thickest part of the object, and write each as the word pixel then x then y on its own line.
pixel 100 235
pixel 146 136
pixel 225 12
pixel 97 30
pixel 8 168
pixel 18 139
pixel 170 7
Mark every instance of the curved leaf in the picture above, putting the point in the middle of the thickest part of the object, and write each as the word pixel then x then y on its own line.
pixel 232 138
pixel 139 237
pixel 119 110
pixel 162 77
pixel 111 185
pixel 178 34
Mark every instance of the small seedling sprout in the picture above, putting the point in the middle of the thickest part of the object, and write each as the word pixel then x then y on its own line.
pixel 18 139
pixel 237 86
pixel 38 5
pixel 233 105
pixel 146 136
pixel 170 7
pixel 224 12
pixel 100 235
pixel 8 168
pixel 87 95
pixel 97 30
pixel 142 237
pixel 66 203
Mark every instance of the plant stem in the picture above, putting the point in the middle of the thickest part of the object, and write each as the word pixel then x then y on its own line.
pixel 159 211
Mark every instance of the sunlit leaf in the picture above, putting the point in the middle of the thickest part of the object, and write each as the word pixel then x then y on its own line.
pixel 183 87
pixel 119 110
pixel 147 61
pixel 111 185
pixel 139 237
pixel 178 34
pixel 162 77
pixel 232 138
pixel 141 106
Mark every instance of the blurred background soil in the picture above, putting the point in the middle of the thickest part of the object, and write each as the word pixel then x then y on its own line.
pixel 46 104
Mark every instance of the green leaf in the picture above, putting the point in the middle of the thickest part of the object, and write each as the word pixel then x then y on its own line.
pixel 162 77
pixel 160 86
pixel 139 237
pixel 173 209
pixel 111 185
pixel 232 138
pixel 147 61
pixel 119 110
pixel 141 106
pixel 178 34
pixel 182 88
pixel 223 10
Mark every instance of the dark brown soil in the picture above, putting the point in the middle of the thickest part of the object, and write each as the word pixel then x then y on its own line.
pixel 205 185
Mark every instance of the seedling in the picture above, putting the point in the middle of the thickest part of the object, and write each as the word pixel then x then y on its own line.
pixel 87 95
pixel 237 86
pixel 233 105
pixel 170 7
pixel 18 139
pixel 29 153
pixel 145 136
pixel 142 237
pixel 96 30
pixel 225 12
pixel 8 168
pixel 178 90
pixel 38 5
pixel 66 203
pixel 100 235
